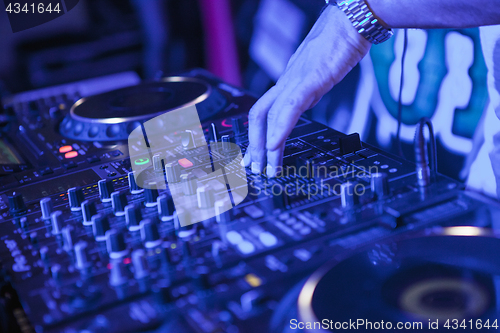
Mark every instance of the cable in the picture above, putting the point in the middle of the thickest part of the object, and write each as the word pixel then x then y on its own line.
pixel 400 102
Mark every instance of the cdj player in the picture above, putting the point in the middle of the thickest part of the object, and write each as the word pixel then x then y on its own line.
pixel 372 240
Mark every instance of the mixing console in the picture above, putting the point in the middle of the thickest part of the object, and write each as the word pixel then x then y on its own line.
pixel 85 248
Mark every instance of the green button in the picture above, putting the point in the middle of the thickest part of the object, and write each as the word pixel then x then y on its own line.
pixel 141 161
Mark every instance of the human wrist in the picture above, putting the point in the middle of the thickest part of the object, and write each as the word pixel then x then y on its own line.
pixel 363 19
pixel 344 27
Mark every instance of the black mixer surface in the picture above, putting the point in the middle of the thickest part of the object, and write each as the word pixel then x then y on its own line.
pixel 85 248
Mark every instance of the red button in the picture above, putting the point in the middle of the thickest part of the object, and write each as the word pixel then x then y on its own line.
pixel 71 154
pixel 65 149
pixel 185 163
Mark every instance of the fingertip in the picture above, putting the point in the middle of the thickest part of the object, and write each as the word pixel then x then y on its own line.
pixel 256 168
pixel 270 171
pixel 246 160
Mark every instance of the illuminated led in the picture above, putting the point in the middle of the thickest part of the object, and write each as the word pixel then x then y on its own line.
pixel 253 280
pixel 65 149
pixel 71 154
pixel 141 161
pixel 463 231
pixel 185 163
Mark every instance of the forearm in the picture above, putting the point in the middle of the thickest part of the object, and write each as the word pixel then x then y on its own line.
pixel 436 13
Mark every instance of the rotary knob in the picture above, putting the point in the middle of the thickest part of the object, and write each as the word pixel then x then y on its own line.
pixel 24 223
pixel 187 140
pixel 133 217
pixel 75 196
pixel 16 204
pixel 115 244
pixel 166 207
pixel 57 222
pixel 88 210
pixel 205 196
pixel 348 195
pixel 105 189
pixel 119 201
pixel 46 207
pixel 100 224
pixel 173 171
pixel 140 264
pixel 118 274
pixel 132 183
pixel 189 184
pixel 380 185
pixel 149 233
pixel 223 209
pixel 182 223
pixel 81 257
pixel 151 195
pixel 68 237
pixel 157 163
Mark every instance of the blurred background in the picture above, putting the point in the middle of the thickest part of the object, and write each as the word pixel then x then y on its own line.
pixel 248 43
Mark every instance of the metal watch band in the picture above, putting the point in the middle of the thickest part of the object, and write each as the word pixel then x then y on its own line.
pixel 363 20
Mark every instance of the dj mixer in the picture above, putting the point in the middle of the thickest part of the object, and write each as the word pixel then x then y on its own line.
pixel 84 248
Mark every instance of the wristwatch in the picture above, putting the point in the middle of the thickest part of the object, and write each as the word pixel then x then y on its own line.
pixel 363 20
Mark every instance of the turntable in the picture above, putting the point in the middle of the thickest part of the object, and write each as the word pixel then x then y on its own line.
pixel 436 280
pixel 111 116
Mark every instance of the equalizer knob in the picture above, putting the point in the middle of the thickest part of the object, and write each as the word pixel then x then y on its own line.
pixel 157 163
pixel 149 233
pixel 89 209
pixel 187 140
pixel 115 244
pixel 348 195
pixel 16 204
pixel 118 274
pixel 82 257
pixel 238 127
pixel 57 222
pixel 140 264
pixel 182 224
pixel 68 237
pixel 132 183
pixel 46 207
pixel 100 224
pixel 223 209
pixel 105 189
pixel 151 195
pixel 173 171
pixel 380 185
pixel 133 217
pixel 44 255
pixel 189 184
pixel 75 196
pixel 119 201
pixel 24 223
pixel 205 196
pixel 166 207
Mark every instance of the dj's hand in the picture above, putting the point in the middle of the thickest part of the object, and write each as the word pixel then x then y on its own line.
pixel 330 50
